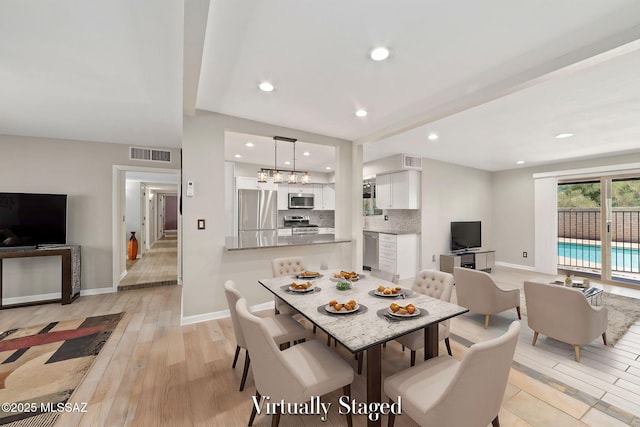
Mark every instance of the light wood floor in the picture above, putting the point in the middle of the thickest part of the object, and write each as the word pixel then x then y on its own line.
pixel 154 372
pixel 158 266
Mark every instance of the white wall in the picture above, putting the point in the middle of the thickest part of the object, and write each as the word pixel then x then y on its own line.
pixel 132 211
pixel 83 171
pixel 207 264
pixel 452 193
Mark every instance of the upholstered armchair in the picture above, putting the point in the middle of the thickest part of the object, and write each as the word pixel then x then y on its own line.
pixel 444 392
pixel 286 267
pixel 564 314
pixel 477 291
pixel 436 284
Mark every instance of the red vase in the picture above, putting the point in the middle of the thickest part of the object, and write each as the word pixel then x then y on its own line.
pixel 132 246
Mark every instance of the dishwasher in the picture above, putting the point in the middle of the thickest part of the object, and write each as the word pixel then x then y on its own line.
pixel 370 258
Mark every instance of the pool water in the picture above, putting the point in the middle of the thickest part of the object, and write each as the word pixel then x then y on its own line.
pixel 622 259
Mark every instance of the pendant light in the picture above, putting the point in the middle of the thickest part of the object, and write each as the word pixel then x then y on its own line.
pixel 293 177
pixel 276 173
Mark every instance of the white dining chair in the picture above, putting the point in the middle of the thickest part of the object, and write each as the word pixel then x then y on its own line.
pixel 385 275
pixel 293 375
pixel 436 284
pixel 445 392
pixel 286 267
pixel 281 328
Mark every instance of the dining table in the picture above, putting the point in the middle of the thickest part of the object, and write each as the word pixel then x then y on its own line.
pixel 372 323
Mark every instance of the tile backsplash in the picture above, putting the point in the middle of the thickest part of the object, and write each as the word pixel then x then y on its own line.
pixel 319 218
pixel 399 219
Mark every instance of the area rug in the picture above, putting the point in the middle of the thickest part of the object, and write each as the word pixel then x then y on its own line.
pixel 622 312
pixel 41 366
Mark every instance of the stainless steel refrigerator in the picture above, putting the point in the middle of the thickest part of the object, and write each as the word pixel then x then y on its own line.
pixel 257 217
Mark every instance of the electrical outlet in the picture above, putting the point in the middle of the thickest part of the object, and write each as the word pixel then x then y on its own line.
pixel 433 258
pixel 386 217
pixel 524 254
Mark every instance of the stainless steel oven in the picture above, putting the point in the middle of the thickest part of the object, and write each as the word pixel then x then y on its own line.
pixel 300 201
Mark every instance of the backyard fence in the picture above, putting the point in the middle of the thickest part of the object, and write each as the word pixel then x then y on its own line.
pixel 580 234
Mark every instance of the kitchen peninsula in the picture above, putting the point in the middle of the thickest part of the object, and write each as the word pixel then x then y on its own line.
pixel 233 243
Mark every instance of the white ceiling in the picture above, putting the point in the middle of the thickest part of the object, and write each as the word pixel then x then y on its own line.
pixel 263 153
pixel 482 74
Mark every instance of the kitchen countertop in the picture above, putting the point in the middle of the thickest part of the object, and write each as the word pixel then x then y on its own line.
pixel 234 244
pixel 396 232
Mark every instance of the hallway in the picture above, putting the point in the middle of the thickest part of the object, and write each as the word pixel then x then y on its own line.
pixel 158 267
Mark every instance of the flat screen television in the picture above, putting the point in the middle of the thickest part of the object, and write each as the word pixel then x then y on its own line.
pixel 28 219
pixel 466 235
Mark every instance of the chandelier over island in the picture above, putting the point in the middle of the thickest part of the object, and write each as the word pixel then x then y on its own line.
pixel 276 173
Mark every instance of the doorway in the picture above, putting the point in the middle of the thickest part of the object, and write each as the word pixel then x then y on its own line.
pixel 138 205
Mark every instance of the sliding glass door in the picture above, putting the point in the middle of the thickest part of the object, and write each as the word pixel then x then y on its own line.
pixel 599 228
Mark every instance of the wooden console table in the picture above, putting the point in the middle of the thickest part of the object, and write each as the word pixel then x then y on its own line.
pixel 70 256
pixel 480 260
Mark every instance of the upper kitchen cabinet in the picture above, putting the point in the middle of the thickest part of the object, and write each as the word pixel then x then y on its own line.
pixel 324 197
pixel 398 190
pixel 248 183
pixel 301 188
pixel 283 197
pixel 329 197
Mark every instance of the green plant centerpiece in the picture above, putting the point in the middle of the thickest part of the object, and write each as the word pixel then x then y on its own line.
pixel 343 285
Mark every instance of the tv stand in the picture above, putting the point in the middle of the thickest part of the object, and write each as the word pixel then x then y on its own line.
pixel 475 260
pixel 70 280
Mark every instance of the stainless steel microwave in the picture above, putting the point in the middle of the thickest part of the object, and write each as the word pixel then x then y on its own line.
pixel 300 201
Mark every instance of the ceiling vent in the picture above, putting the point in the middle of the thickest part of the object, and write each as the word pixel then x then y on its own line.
pixel 149 154
pixel 411 162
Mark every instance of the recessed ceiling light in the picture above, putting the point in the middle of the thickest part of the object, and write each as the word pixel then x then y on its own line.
pixel 249 144
pixel 306 153
pixel 237 156
pixel 520 162
pixel 380 53
pixel 432 136
pixel 266 87
pixel 287 162
pixel 361 113
pixel 564 135
pixel 328 168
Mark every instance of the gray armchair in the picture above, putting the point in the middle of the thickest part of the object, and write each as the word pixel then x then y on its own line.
pixel 477 291
pixel 564 314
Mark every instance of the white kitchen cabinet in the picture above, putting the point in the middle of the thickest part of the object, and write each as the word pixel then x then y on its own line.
pixel 301 188
pixel 318 197
pixel 284 232
pixel 398 190
pixel 329 197
pixel 247 183
pixel 399 254
pixel 326 230
pixel 383 191
pixel 283 197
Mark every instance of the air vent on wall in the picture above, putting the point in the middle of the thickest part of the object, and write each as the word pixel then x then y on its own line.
pixel 411 162
pixel 149 154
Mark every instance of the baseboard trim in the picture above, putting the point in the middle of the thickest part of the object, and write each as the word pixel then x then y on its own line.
pixel 214 315
pixel 99 291
pixel 31 298
pixel 516 266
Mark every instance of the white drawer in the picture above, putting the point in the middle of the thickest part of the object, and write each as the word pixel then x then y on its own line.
pixel 387 246
pixel 387 265
pixel 284 232
pixel 386 254
pixel 387 238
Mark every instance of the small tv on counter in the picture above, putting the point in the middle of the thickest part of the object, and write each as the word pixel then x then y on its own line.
pixel 30 220
pixel 466 235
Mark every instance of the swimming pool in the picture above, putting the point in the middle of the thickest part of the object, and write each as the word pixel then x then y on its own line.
pixel 586 255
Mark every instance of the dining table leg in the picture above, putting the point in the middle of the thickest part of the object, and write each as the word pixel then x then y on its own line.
pixel 374 379
pixel 431 341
